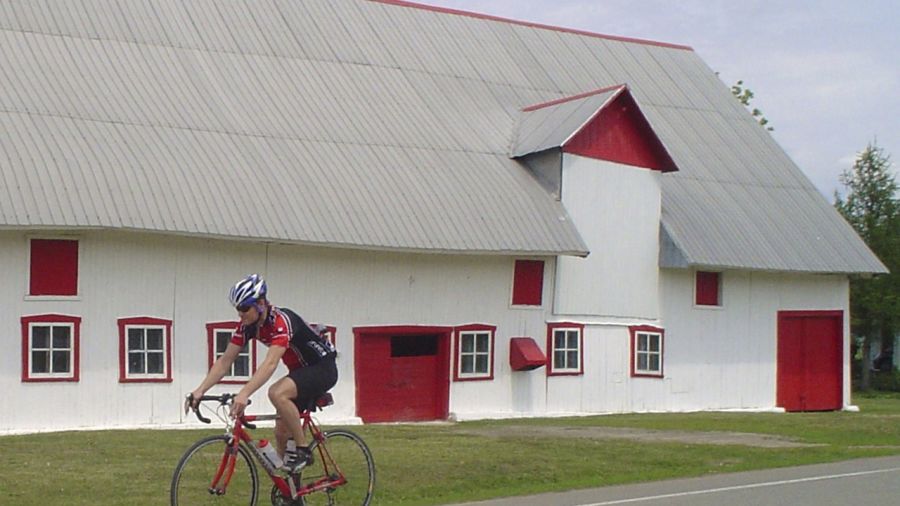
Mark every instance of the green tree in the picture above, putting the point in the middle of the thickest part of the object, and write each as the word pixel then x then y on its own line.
pixel 872 207
pixel 745 95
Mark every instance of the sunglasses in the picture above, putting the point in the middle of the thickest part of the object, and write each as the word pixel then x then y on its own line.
pixel 245 308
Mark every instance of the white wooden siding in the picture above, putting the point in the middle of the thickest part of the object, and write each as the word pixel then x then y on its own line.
pixel 186 280
pixel 720 358
pixel 726 357
pixel 616 208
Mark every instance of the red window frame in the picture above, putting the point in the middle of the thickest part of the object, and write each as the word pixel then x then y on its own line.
pixel 27 375
pixel 708 288
pixel 144 321
pixel 528 283
pixel 230 326
pixel 551 350
pixel 457 355
pixel 53 267
pixel 647 329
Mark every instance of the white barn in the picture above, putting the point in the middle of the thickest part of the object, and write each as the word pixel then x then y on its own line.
pixel 494 218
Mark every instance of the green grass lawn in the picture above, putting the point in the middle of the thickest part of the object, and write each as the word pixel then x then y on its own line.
pixel 437 464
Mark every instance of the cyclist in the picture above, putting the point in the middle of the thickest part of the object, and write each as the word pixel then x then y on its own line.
pixel 308 355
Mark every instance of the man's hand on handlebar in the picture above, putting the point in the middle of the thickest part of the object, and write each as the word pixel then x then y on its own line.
pixel 192 401
pixel 238 405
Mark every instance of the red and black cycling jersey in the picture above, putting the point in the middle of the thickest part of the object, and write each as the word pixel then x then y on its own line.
pixel 284 327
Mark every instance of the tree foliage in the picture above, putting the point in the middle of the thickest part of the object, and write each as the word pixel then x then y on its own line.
pixel 745 95
pixel 872 207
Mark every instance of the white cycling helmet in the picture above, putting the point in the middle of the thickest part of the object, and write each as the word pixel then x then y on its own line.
pixel 247 291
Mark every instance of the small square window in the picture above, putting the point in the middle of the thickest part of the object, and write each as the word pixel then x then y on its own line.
pixel 50 348
pixel 708 289
pixel 528 283
pixel 474 352
pixel 565 343
pixel 145 346
pixel 647 351
pixel 219 337
pixel 53 269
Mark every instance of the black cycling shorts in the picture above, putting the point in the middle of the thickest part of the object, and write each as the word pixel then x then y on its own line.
pixel 313 381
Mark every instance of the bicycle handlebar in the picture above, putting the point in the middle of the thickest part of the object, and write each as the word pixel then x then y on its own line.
pixel 223 400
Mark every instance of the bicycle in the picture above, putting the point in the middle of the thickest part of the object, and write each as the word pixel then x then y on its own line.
pixel 222 469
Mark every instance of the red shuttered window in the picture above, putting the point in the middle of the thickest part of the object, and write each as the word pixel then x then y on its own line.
pixel 708 289
pixel 54 267
pixel 528 283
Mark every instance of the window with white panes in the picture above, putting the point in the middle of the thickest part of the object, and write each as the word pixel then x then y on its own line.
pixel 474 354
pixel 474 359
pixel 647 351
pixel 145 349
pixel 241 369
pixel 50 348
pixel 565 346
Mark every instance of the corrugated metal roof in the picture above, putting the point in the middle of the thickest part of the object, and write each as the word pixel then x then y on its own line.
pixel 368 124
pixel 550 125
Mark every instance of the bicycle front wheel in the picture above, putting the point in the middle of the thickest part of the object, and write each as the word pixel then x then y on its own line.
pixel 199 471
pixel 344 455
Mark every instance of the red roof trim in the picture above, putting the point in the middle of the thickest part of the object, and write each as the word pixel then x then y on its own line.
pixel 445 10
pixel 574 97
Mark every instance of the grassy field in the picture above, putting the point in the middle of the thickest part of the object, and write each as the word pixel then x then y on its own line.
pixel 439 464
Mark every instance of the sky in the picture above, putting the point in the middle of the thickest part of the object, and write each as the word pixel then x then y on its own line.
pixel 826 73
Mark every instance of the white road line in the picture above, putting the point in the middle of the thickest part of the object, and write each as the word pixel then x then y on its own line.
pixel 742 487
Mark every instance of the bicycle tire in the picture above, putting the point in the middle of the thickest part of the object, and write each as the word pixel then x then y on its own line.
pixel 355 461
pixel 197 468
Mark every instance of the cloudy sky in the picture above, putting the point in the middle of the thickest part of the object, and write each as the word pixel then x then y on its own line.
pixel 826 73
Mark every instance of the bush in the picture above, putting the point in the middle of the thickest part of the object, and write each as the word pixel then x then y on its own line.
pixel 886 380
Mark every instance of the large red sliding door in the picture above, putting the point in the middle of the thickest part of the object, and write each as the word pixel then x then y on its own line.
pixel 810 360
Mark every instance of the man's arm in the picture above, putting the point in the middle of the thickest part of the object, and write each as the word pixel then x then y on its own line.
pixel 259 378
pixel 215 374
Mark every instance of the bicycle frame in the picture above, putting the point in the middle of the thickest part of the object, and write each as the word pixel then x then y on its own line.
pixel 237 434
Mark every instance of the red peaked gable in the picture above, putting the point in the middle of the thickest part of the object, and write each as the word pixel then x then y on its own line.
pixel 620 133
pixel 606 124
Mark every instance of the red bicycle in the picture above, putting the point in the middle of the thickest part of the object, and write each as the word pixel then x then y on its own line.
pixel 222 469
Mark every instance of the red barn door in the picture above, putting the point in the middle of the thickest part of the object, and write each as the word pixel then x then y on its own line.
pixel 402 373
pixel 810 360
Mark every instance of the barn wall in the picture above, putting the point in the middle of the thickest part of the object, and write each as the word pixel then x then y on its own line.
pixel 186 280
pixel 714 358
pixel 616 208
pixel 726 357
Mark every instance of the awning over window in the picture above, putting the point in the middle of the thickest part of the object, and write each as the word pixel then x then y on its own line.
pixel 524 354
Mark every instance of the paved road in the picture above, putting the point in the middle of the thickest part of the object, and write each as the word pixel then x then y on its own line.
pixel 855 482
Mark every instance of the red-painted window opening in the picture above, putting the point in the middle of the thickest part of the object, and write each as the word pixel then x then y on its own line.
pixel 708 289
pixel 528 283
pixel 54 267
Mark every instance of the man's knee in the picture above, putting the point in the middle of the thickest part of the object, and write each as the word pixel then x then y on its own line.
pixel 282 391
pixel 277 393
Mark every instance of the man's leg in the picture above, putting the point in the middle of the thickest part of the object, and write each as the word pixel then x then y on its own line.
pixel 282 395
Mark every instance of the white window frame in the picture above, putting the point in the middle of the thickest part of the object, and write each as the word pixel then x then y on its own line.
pixel 50 349
pixel 128 352
pixel 247 352
pixel 474 354
pixel 647 371
pixel 576 368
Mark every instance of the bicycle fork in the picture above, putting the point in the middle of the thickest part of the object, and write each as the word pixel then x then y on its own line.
pixel 226 469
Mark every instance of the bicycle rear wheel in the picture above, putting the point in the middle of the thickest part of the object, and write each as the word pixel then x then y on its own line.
pixel 343 454
pixel 198 467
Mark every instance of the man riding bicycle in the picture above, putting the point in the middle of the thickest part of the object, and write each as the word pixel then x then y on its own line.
pixel 309 357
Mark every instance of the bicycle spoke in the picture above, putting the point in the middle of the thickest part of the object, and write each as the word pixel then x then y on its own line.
pixel 197 472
